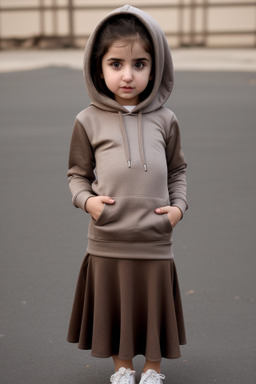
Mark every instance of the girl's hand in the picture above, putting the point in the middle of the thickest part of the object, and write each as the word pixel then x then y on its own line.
pixel 95 205
pixel 174 214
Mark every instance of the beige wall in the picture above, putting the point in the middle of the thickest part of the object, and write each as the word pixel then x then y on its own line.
pixel 184 27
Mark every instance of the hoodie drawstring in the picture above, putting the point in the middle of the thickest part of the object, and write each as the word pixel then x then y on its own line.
pixel 125 140
pixel 140 140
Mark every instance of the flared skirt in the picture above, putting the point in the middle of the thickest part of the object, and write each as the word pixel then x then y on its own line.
pixel 128 307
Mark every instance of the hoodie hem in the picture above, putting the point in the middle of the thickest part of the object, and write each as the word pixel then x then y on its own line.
pixel 121 250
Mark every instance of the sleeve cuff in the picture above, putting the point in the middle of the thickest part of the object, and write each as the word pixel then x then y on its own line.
pixel 182 205
pixel 81 199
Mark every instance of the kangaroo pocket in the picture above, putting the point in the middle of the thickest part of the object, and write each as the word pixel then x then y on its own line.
pixel 132 219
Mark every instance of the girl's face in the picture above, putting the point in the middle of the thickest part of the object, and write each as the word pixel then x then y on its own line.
pixel 126 69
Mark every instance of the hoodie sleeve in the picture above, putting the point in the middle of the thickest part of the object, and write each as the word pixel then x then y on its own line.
pixel 176 162
pixel 81 167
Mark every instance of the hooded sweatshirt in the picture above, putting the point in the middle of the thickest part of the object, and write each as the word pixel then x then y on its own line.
pixel 134 157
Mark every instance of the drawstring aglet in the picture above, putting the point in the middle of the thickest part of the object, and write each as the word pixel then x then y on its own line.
pixel 129 164
pixel 145 167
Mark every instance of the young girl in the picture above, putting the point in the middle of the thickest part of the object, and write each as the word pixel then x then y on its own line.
pixel 127 170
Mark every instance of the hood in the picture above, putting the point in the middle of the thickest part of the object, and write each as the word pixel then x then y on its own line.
pixel 163 81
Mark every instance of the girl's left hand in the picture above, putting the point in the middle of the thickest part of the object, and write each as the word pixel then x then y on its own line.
pixel 174 214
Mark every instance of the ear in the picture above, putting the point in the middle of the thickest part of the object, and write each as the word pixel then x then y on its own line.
pixel 101 76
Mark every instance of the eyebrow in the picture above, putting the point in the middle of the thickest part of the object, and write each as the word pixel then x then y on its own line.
pixel 139 59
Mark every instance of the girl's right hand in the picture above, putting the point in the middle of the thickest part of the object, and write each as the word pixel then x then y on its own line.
pixel 95 205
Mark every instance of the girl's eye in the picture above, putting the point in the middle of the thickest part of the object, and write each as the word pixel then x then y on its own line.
pixel 116 64
pixel 139 65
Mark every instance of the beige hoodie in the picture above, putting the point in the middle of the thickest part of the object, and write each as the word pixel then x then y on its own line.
pixel 134 157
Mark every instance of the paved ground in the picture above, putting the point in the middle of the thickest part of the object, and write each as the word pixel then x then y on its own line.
pixel 43 238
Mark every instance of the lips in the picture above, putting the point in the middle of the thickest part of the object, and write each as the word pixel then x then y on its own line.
pixel 127 89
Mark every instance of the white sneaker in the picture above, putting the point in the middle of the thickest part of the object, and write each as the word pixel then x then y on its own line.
pixel 123 376
pixel 151 377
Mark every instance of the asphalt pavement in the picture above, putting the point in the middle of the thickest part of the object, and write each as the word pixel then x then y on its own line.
pixel 43 237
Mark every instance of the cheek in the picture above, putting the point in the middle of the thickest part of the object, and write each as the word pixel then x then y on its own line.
pixel 110 83
pixel 107 74
pixel 144 81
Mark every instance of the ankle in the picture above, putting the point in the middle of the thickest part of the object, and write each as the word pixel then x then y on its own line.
pixel 122 363
pixel 155 365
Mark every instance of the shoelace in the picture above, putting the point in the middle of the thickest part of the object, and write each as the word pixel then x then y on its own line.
pixel 122 376
pixel 151 377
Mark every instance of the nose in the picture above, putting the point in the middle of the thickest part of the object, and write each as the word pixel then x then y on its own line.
pixel 127 74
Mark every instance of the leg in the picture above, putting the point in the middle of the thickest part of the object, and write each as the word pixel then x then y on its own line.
pixel 122 363
pixel 156 365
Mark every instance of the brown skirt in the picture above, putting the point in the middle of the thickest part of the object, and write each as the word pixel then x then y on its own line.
pixel 128 307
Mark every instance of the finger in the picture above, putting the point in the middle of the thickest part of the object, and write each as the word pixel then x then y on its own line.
pixel 162 210
pixel 107 200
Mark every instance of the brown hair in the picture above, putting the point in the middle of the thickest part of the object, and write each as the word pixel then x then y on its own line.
pixel 119 27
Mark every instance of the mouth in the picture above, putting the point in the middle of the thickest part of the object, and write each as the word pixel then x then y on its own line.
pixel 127 89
